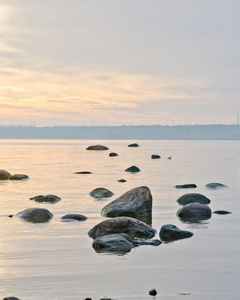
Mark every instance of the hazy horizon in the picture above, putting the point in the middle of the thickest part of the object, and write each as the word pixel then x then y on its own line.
pixel 119 62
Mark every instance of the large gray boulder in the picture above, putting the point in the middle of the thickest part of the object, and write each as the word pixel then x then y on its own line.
pixel 35 215
pixel 192 198
pixel 130 226
pixel 4 175
pixel 101 192
pixel 97 147
pixel 170 233
pixel 48 198
pixel 134 203
pixel 118 242
pixel 194 212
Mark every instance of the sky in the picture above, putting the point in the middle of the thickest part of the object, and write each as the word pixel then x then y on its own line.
pixel 119 62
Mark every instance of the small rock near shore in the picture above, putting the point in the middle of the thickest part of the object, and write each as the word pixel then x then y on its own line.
pixel 133 169
pixel 48 198
pixel 76 217
pixel 152 292
pixel 186 186
pixel 133 145
pixel 97 147
pixel 192 198
pixel 170 233
pixel 18 177
pixel 4 175
pixel 11 298
pixel 215 185
pixel 155 156
pixel 101 192
pixel 113 154
pixel 35 215
pixel 222 212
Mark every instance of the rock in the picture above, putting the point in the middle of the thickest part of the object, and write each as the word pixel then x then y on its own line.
pixel 77 217
pixel 35 215
pixel 194 212
pixel 152 292
pixel 215 185
pixel 186 186
pixel 133 169
pixel 222 212
pixel 97 147
pixel 170 233
pixel 4 175
pixel 11 298
pixel 154 156
pixel 134 203
pixel 18 177
pixel 121 180
pixel 120 242
pixel 192 198
pixel 83 172
pixel 133 145
pixel 130 226
pixel 139 242
pixel 101 193
pixel 113 154
pixel 48 198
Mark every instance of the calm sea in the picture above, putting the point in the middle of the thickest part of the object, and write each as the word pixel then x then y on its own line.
pixel 56 260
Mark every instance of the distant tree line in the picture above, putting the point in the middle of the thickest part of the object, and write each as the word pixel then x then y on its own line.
pixel 122 132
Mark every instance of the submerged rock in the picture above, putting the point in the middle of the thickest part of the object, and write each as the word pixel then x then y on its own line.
pixel 186 186
pixel 121 180
pixel 101 193
pixel 113 242
pixel 192 198
pixel 4 175
pixel 83 172
pixel 130 226
pixel 76 217
pixel 170 233
pixel 113 154
pixel 222 212
pixel 35 215
pixel 48 198
pixel 139 242
pixel 215 185
pixel 133 145
pixel 194 212
pixel 97 147
pixel 155 156
pixel 133 169
pixel 18 177
pixel 11 298
pixel 133 203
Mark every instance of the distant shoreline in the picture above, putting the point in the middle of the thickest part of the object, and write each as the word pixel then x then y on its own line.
pixel 140 132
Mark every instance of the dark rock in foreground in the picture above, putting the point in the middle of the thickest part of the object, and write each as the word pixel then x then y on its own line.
pixel 170 233
pixel 113 154
pixel 186 186
pixel 35 215
pixel 133 203
pixel 119 242
pixel 133 145
pixel 192 198
pixel 155 156
pixel 194 212
pixel 76 217
pixel 101 193
pixel 133 169
pixel 11 298
pixel 48 198
pixel 83 172
pixel 130 226
pixel 222 212
pixel 215 185
pixel 97 147
pixel 4 175
pixel 18 177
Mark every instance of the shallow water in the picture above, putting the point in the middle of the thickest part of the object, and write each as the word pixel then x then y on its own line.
pixel 56 261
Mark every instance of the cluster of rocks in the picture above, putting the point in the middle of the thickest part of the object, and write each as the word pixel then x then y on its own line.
pixel 5 175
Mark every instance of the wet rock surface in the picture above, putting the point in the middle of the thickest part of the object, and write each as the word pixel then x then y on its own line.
pixel 97 147
pixel 112 154
pixel 171 232
pixel 133 203
pixel 130 226
pixel 155 156
pixel 133 169
pixel 120 242
pixel 77 217
pixel 186 186
pixel 18 177
pixel 194 212
pixel 35 215
pixel 4 175
pixel 47 199
pixel 101 192
pixel 222 212
pixel 215 185
pixel 83 172
pixel 133 145
pixel 193 198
